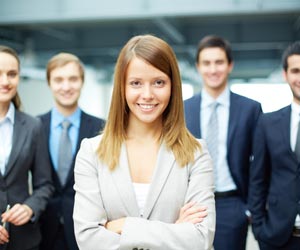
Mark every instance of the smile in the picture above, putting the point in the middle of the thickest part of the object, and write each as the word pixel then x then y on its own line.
pixel 147 106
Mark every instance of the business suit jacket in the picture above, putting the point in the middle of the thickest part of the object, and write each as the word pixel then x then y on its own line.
pixel 103 195
pixel 60 206
pixel 243 116
pixel 28 154
pixel 274 193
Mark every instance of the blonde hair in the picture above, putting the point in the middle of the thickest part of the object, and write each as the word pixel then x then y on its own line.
pixel 61 60
pixel 174 132
pixel 16 100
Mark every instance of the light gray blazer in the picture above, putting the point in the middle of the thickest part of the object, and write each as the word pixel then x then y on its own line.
pixel 103 195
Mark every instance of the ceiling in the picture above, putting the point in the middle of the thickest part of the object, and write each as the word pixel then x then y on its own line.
pixel 258 32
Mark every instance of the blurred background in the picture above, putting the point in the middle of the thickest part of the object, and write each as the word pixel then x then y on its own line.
pixel 95 30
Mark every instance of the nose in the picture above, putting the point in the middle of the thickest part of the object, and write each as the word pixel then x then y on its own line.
pixel 66 85
pixel 212 68
pixel 147 92
pixel 4 79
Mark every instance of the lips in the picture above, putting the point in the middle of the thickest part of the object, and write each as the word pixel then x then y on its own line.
pixel 147 107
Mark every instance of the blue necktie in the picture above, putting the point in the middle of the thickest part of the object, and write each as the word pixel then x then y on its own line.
pixel 65 155
pixel 213 135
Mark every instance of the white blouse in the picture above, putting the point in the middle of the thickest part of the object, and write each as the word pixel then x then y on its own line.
pixel 141 192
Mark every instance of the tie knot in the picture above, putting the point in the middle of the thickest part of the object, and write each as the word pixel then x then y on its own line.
pixel 214 105
pixel 66 124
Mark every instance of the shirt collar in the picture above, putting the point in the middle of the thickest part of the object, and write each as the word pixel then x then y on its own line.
pixel 223 99
pixel 10 115
pixel 57 117
pixel 295 108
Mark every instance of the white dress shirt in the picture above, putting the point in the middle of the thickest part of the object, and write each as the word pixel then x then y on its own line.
pixel 6 136
pixel 223 178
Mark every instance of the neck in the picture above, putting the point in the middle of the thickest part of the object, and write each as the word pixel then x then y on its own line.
pixel 3 109
pixel 145 134
pixel 66 111
pixel 215 92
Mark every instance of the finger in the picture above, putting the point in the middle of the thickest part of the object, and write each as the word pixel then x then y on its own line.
pixel 9 215
pixel 196 217
pixel 192 210
pixel 192 216
pixel 4 237
pixel 22 216
pixel 187 206
pixel 14 215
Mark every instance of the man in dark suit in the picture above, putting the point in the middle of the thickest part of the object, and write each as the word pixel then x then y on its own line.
pixel 274 194
pixel 227 122
pixel 65 76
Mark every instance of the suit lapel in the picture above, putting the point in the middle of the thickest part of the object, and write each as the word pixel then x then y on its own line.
pixel 198 117
pixel 233 118
pixel 19 137
pixel 123 182
pixel 285 129
pixel 164 164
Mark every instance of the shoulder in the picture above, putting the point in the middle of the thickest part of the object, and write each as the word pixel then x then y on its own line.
pixel 92 119
pixel 27 119
pixel 45 117
pixel 244 100
pixel 273 116
pixel 193 100
pixel 91 143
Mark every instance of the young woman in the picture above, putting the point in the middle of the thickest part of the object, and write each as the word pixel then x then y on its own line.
pixel 22 150
pixel 145 183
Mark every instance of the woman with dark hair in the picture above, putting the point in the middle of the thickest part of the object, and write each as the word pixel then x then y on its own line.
pixel 22 152
pixel 146 182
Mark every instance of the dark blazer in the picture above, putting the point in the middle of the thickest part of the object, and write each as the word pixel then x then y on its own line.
pixel 274 193
pixel 60 206
pixel 28 154
pixel 243 116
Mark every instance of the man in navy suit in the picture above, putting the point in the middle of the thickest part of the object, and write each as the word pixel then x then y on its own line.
pixel 236 120
pixel 274 194
pixel 65 76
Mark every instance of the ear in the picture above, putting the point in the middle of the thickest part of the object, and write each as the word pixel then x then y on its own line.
pixel 284 74
pixel 197 65
pixel 231 66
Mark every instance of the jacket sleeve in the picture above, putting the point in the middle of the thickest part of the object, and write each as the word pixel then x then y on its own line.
pixel 147 234
pixel 42 187
pixel 259 178
pixel 89 214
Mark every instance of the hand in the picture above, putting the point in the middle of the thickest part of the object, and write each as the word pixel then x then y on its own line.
pixel 18 215
pixel 191 212
pixel 4 237
pixel 115 226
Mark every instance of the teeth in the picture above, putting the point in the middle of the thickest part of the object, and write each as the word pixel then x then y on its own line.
pixel 147 106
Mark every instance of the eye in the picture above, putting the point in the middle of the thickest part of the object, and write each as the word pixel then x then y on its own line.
pixel 135 84
pixel 12 74
pixel 57 80
pixel 159 83
pixel 74 79
pixel 220 62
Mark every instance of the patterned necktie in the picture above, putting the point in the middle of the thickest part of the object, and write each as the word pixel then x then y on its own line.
pixel 65 156
pixel 213 133
pixel 297 147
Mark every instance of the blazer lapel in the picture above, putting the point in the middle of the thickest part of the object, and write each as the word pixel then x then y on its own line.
pixel 285 129
pixel 233 118
pixel 164 164
pixel 19 137
pixel 123 182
